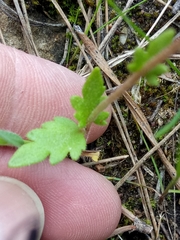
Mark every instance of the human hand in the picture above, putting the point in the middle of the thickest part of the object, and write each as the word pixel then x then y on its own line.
pixel 78 202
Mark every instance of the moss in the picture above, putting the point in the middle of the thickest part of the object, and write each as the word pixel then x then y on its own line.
pixel 90 3
pixel 46 6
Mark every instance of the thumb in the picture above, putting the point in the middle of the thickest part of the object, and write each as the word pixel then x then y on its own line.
pixel 21 211
pixel 34 90
pixel 79 203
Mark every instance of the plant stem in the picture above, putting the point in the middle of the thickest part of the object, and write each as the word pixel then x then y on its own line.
pixel 132 79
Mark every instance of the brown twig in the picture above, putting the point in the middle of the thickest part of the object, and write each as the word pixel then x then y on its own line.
pixel 13 14
pixel 72 31
pixel 123 229
pixel 134 108
pixel 146 156
pixel 132 79
pixel 127 141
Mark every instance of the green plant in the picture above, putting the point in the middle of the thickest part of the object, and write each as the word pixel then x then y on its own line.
pixel 60 137
pixel 174 180
pixel 167 128
pixel 164 130
pixel 138 30
pixel 139 57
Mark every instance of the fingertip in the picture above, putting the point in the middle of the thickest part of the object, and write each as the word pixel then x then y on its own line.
pixel 36 91
pixel 79 203
pixel 85 204
pixel 21 211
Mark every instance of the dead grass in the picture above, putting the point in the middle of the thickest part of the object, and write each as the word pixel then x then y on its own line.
pixel 140 113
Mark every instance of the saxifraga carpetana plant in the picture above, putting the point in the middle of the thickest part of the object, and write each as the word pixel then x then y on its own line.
pixel 61 137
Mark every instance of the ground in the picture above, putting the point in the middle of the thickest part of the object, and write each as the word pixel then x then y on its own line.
pixel 157 104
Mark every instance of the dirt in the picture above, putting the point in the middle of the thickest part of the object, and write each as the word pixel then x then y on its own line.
pixel 50 43
pixel 48 40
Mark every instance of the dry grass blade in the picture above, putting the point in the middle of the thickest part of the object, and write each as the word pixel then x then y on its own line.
pixel 96 55
pixel 106 28
pixel 161 30
pixel 2 38
pixel 86 19
pixel 113 29
pixel 146 156
pixel 176 7
pixel 141 119
pixel 13 14
pixel 164 3
pixel 65 48
pixel 106 160
pixel 127 141
pixel 143 191
pixel 139 198
pixel 72 31
pixel 134 108
pixel 26 27
pixel 123 229
pixel 157 20
pixel 122 57
pixel 141 226
pixel 98 22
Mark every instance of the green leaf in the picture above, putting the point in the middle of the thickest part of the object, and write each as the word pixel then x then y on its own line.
pixel 92 93
pixel 152 80
pixel 161 42
pixel 54 139
pixel 8 138
pixel 141 57
pixel 167 128
pixel 152 76
pixel 101 119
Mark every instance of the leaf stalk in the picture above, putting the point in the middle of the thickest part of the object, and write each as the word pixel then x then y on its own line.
pixel 132 79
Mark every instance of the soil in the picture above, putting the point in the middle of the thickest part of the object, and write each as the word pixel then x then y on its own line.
pixel 158 105
pixel 49 40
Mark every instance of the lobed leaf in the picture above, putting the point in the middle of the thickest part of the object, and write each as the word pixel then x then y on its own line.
pixel 55 139
pixel 92 93
pixel 101 119
pixel 152 76
pixel 161 42
pixel 141 57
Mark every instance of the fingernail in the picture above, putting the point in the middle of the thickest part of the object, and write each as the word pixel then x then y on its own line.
pixel 21 211
pixel 33 234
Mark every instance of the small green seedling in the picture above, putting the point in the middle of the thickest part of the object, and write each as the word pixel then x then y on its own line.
pixel 61 137
pixel 160 134
pixel 169 126
pixel 92 92
pixel 141 57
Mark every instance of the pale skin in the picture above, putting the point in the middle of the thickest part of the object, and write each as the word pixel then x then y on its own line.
pixel 78 202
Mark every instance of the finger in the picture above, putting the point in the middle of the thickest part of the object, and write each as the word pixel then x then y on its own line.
pixel 34 90
pixel 28 110
pixel 21 211
pixel 78 202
